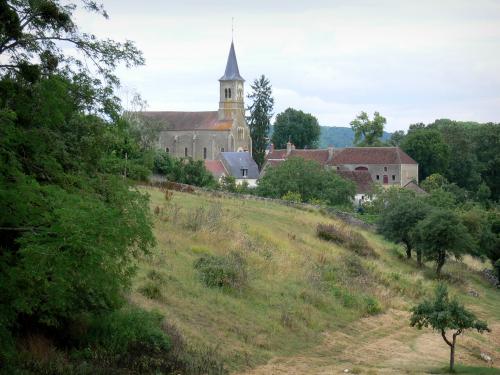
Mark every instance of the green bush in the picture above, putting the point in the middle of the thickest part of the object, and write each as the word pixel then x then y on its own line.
pixel 292 197
pixel 150 290
pixel 228 271
pixel 126 330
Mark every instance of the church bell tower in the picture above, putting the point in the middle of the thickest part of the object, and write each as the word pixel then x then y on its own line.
pixel 231 103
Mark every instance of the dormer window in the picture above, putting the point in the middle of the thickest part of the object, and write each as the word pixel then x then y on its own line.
pixel 244 172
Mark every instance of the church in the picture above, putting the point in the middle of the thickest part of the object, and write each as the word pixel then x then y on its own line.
pixel 204 135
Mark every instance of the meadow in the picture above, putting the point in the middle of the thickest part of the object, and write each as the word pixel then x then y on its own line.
pixel 295 303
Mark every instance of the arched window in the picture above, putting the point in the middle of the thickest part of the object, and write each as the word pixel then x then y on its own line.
pixel 185 151
pixel 225 93
pixel 229 93
pixel 204 152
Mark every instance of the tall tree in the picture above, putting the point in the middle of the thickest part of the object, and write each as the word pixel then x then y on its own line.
pixel 302 129
pixel 396 138
pixel 368 132
pixel 441 235
pixel 259 121
pixel 443 314
pixel 429 149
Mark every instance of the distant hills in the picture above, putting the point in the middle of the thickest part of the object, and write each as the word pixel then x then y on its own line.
pixel 338 136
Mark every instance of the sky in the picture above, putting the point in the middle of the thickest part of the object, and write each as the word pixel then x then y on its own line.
pixel 413 61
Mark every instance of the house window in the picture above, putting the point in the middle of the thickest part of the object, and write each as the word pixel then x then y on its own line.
pixel 167 150
pixel 244 172
pixel 222 149
pixel 185 151
pixel 393 177
pixel 204 152
pixel 378 177
pixel 385 169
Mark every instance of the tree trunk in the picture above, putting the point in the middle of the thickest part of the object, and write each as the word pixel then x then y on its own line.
pixel 419 258
pixel 440 263
pixel 408 250
pixel 452 354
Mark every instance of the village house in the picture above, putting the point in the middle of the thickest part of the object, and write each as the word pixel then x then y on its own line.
pixel 240 165
pixel 365 166
pixel 203 135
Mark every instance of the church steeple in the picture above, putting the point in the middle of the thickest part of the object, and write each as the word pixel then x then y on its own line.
pixel 231 103
pixel 232 72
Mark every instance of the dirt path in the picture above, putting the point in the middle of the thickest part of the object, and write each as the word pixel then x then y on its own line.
pixel 382 344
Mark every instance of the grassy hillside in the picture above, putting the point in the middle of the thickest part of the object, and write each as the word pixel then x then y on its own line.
pixel 308 306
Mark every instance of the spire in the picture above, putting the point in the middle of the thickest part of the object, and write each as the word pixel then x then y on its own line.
pixel 232 73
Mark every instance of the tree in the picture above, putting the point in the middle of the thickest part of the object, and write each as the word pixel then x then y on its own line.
pixel 433 182
pixel 440 235
pixel 183 170
pixel 302 129
pixel 261 111
pixel 429 149
pixel 396 138
pixel 368 132
pixel 308 179
pixel 399 218
pixel 443 314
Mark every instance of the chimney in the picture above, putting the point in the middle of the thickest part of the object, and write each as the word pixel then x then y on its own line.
pixel 330 153
pixel 288 148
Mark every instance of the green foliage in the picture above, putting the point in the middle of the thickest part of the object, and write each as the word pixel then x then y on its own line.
pixel 440 235
pixel 228 183
pixel 368 132
pixel 301 129
pixel 292 197
pixel 428 148
pixel 443 314
pixel 399 218
pixel 259 121
pixel 433 182
pixel 184 171
pixel 126 329
pixel 307 178
pixel 229 271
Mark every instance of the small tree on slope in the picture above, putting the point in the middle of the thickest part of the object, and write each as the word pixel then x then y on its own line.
pixel 442 315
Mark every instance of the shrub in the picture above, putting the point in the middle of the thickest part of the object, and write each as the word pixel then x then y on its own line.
pixel 204 217
pixel 342 235
pixel 151 291
pixel 291 196
pixel 372 306
pixel 126 330
pixel 228 271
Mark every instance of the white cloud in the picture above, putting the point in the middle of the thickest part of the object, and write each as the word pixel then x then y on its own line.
pixel 412 61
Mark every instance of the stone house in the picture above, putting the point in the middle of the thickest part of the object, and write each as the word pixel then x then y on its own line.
pixel 203 135
pixel 387 166
pixel 240 165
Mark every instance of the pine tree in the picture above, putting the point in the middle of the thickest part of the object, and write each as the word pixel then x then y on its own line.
pixel 259 120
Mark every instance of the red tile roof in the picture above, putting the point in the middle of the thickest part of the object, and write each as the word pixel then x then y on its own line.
pixel 276 154
pixel 208 120
pixel 216 168
pixel 372 155
pixel 362 179
pixel 321 156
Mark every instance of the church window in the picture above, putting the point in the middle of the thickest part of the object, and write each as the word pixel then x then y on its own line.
pixel 244 172
pixel 204 152
pixel 229 93
pixel 225 93
pixel 185 151
pixel 167 150
pixel 241 133
pixel 222 149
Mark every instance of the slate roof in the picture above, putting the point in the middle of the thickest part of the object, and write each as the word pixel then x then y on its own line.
pixel 362 180
pixel 207 120
pixel 371 155
pixel 232 72
pixel 216 168
pixel 234 162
